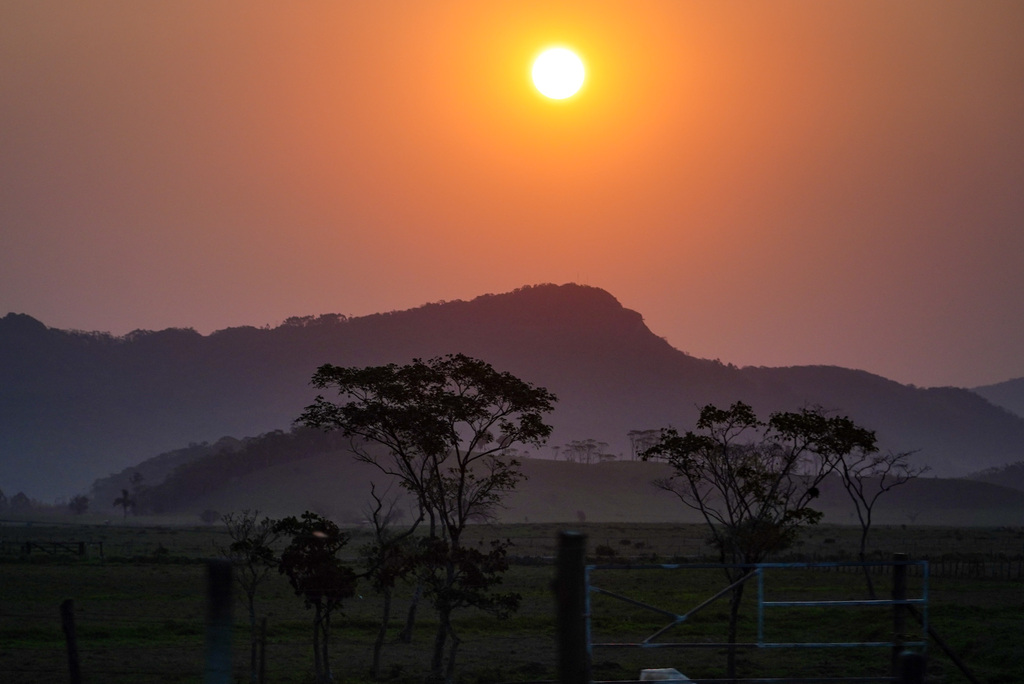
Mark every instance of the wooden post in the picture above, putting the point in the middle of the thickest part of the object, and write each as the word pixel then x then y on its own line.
pixel 218 622
pixel 263 651
pixel 67 622
pixel 570 594
pixel 899 609
pixel 911 668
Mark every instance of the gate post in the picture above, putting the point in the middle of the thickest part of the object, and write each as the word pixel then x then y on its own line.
pixel 899 609
pixel 67 621
pixel 911 668
pixel 218 622
pixel 570 594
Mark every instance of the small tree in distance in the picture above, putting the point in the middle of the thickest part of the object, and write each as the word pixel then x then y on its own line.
pixel 79 504
pixel 136 479
pixel 866 476
pixel 640 441
pixel 585 451
pixel 125 501
pixel 20 503
pixel 752 481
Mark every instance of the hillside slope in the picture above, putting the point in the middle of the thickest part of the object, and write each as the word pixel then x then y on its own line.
pixel 1009 395
pixel 332 483
pixel 76 406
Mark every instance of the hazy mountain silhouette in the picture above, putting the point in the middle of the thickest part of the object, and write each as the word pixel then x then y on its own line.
pixel 75 406
pixel 1010 476
pixel 1009 395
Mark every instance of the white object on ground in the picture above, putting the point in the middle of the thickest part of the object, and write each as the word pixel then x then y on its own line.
pixel 663 674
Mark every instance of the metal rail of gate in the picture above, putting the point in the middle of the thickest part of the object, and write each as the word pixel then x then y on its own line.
pixel 757 572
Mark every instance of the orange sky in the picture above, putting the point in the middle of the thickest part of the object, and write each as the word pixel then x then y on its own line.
pixel 767 183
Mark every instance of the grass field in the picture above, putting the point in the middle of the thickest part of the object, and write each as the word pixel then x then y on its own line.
pixel 140 609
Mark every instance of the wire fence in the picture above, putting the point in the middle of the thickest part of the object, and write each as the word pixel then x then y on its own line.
pixel 951 564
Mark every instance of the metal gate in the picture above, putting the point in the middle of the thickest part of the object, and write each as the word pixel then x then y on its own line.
pixel 901 640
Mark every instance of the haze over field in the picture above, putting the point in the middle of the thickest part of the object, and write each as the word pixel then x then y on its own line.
pixel 770 184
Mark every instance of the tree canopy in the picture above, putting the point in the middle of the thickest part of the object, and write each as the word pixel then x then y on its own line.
pixel 753 480
pixel 445 423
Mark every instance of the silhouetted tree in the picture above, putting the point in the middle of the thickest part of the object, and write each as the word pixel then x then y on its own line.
pixel 125 501
pixel 136 479
pixel 317 575
pixel 866 475
pixel 446 425
pixel 79 504
pixel 641 440
pixel 752 481
pixel 20 503
pixel 585 450
pixel 252 555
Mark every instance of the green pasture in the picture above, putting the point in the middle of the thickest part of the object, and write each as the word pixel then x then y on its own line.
pixel 140 610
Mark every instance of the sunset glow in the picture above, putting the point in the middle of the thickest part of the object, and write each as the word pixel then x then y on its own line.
pixel 558 73
pixel 739 173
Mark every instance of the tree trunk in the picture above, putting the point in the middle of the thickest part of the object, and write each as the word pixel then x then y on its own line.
pixel 865 527
pixel 317 667
pixel 449 670
pixel 405 636
pixel 437 668
pixel 378 644
pixel 325 627
pixel 438 671
pixel 253 642
pixel 867 576
pixel 734 614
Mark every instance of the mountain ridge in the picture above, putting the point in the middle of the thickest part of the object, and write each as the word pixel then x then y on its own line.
pixel 87 404
pixel 1009 394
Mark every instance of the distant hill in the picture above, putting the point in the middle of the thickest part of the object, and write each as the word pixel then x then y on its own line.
pixel 286 473
pixel 75 406
pixel 1010 475
pixel 1009 395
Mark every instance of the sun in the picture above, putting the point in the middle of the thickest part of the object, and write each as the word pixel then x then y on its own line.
pixel 558 73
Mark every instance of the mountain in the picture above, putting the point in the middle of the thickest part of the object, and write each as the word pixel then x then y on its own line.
pixel 1009 395
pixel 75 406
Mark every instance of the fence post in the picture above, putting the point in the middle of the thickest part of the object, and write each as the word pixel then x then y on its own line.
pixel 67 623
pixel 899 609
pixel 218 622
pixel 570 594
pixel 911 668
